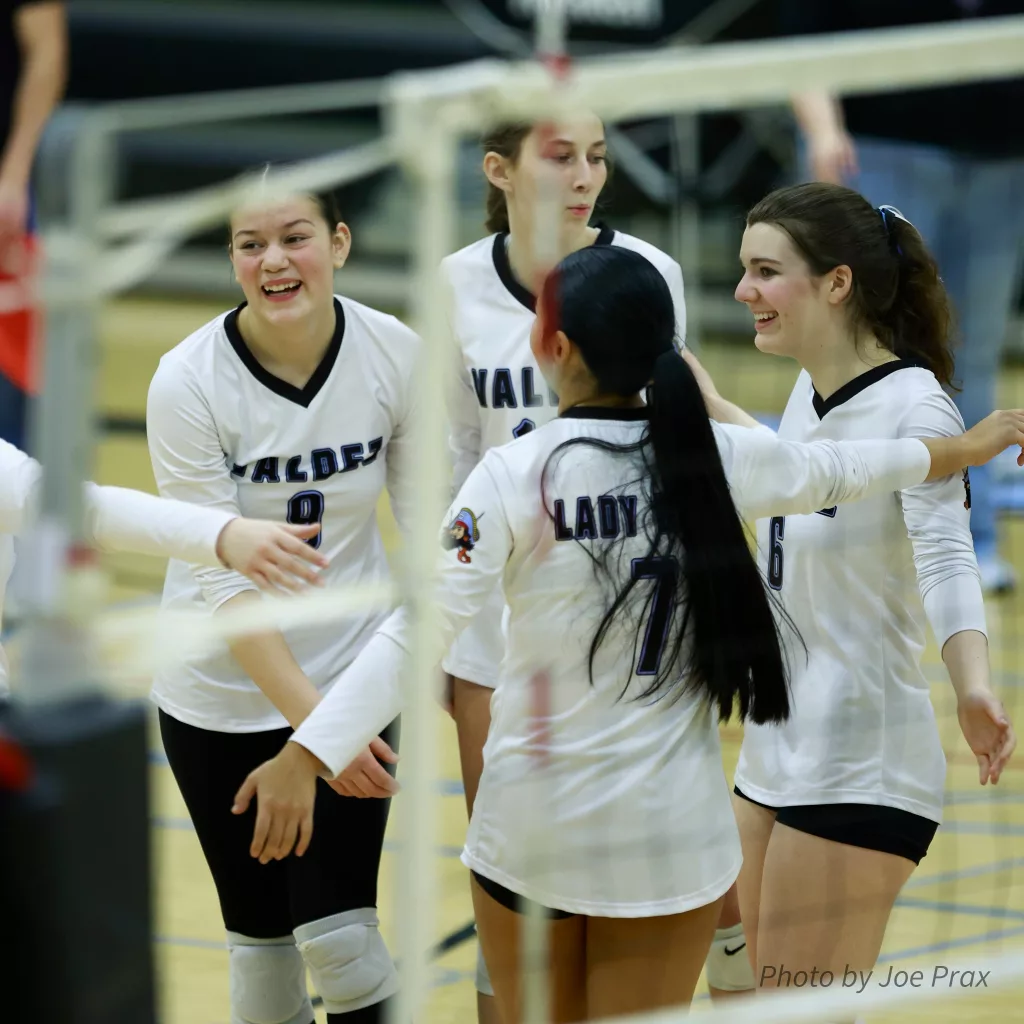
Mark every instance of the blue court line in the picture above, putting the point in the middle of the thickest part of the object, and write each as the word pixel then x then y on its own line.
pixel 941 947
pixel 962 873
pixel 946 907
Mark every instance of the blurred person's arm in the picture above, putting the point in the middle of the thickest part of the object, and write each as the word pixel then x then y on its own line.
pixel 40 27
pixel 830 148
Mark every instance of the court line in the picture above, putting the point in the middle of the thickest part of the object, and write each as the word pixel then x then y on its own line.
pixel 941 947
pixel 975 872
pixel 948 907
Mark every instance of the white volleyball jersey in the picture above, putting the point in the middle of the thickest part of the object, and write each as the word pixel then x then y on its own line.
pixel 853 580
pixel 496 391
pixel 116 519
pixel 629 813
pixel 225 433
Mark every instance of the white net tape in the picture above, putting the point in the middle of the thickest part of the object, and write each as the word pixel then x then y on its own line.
pixel 428 111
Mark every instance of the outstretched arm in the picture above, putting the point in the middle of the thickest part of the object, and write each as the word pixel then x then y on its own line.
pixel 769 476
pixel 120 519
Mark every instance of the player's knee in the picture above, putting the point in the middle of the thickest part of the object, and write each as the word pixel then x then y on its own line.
pixel 268 981
pixel 347 960
pixel 483 979
pixel 728 965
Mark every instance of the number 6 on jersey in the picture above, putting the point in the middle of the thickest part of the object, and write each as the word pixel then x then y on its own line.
pixel 776 533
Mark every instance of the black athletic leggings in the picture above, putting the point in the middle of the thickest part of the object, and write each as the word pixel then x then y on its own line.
pixel 267 901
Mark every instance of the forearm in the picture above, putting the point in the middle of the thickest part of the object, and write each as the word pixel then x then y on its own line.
pixel 723 411
pixel 39 90
pixel 270 664
pixel 965 655
pixel 818 113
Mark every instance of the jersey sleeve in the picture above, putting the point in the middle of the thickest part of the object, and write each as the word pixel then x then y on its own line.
pixel 939 525
pixel 769 476
pixel 476 542
pixel 190 465
pixel 116 519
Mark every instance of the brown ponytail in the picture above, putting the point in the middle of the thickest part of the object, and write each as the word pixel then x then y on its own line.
pixel 506 140
pixel 897 293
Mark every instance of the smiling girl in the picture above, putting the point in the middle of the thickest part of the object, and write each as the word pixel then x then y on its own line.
pixel 838 805
pixel 298 406
pixel 496 392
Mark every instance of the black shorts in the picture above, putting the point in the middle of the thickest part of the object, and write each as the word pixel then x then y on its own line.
pixel 513 901
pixel 268 901
pixel 869 826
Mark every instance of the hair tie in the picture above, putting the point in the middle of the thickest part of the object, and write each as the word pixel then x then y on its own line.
pixel 889 215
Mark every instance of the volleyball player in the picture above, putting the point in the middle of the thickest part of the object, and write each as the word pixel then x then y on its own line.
pixel 298 406
pixel 273 555
pixel 622 556
pixel 496 393
pixel 837 805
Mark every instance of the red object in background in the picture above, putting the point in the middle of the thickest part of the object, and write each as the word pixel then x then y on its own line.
pixel 15 766
pixel 20 326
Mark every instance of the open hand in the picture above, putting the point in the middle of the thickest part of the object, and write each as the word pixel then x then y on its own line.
pixel 285 791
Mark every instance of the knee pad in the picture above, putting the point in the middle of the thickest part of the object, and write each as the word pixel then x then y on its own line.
pixel 483 979
pixel 348 961
pixel 268 981
pixel 728 966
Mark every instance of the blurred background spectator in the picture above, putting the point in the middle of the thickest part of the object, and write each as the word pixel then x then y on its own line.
pixel 33 69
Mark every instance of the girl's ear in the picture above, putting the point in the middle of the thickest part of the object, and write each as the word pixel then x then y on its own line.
pixel 496 171
pixel 341 245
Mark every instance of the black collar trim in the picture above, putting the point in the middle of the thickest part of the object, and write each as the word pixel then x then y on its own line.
pixel 852 388
pixel 605 412
pixel 522 294
pixel 300 396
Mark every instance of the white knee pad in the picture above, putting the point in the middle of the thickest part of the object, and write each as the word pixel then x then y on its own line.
pixel 268 981
pixel 728 966
pixel 483 979
pixel 348 961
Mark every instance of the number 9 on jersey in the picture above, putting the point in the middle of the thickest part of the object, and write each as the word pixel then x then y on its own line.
pixel 307 507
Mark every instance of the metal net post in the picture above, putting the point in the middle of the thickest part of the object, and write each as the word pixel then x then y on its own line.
pixel 76 827
pixel 427 150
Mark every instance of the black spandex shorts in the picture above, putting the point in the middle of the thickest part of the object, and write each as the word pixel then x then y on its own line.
pixel 267 901
pixel 870 826
pixel 513 901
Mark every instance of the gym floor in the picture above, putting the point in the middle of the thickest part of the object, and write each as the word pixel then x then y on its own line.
pixel 966 899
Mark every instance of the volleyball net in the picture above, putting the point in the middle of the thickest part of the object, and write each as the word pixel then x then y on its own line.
pixel 98 247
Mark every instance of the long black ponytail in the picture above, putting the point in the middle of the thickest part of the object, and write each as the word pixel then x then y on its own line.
pixel 722 638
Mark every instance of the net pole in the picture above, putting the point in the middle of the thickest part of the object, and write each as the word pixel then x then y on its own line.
pixel 551 45
pixel 427 148
pixel 58 594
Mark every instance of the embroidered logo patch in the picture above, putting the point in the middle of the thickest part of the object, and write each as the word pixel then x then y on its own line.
pixel 463 534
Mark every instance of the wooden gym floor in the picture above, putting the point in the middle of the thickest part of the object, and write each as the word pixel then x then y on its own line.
pixel 966 899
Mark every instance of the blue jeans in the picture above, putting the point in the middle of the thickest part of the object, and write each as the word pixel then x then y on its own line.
pixel 970 213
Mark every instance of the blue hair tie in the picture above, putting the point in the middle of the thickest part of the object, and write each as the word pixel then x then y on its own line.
pixel 888 215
